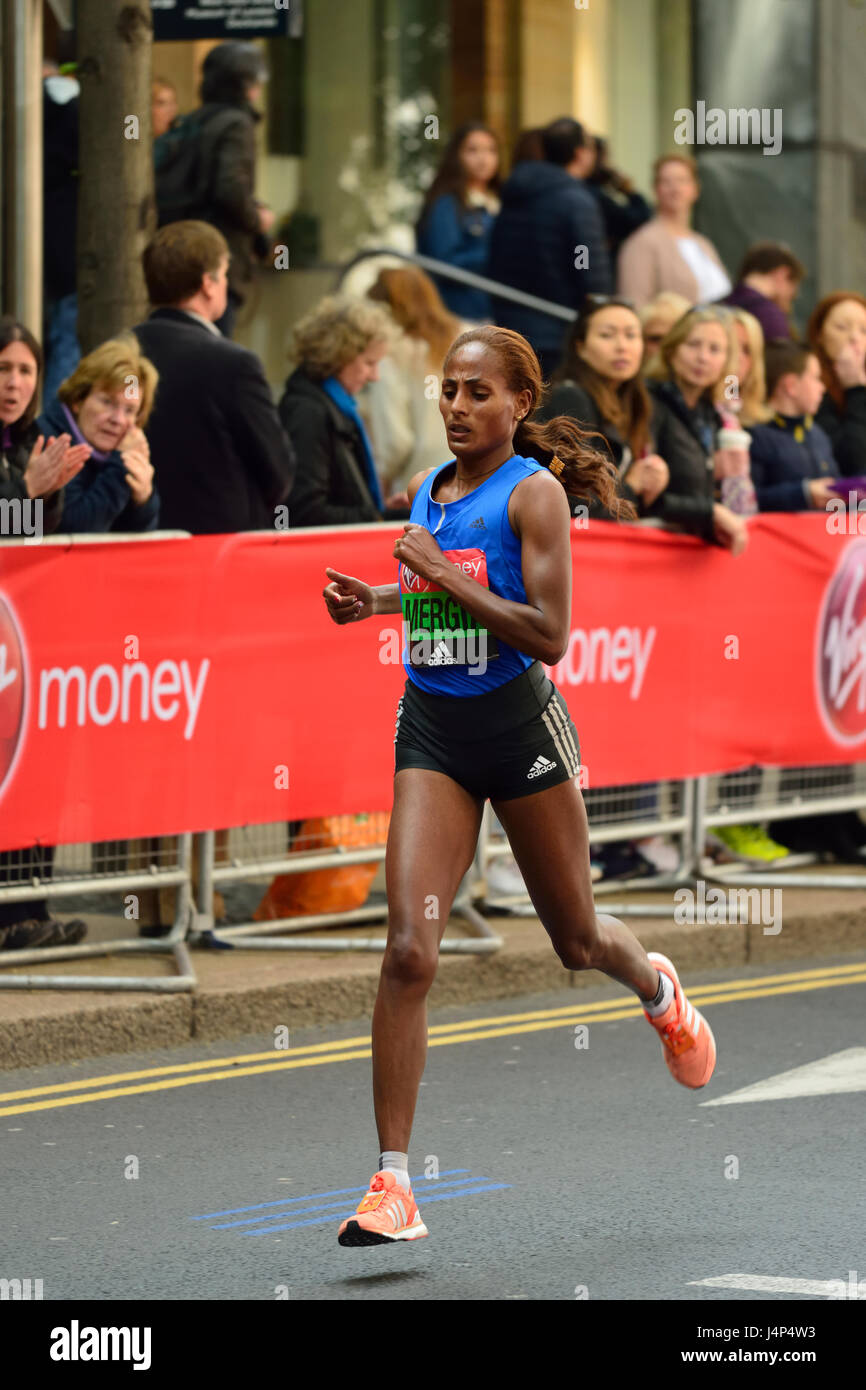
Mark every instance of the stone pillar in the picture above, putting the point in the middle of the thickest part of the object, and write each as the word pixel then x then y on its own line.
pixel 547 36
pixel 21 87
pixel 840 184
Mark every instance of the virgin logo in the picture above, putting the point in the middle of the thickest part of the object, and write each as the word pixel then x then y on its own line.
pixel 841 649
pixel 11 692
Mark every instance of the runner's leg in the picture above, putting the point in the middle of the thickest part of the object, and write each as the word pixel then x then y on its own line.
pixel 431 843
pixel 549 836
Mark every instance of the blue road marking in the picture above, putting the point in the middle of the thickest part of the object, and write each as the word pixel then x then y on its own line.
pixel 310 1196
pixel 320 1220
pixel 329 1206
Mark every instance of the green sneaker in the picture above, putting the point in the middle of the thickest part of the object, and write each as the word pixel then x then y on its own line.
pixel 749 843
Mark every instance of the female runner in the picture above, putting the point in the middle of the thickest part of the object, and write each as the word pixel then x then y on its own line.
pixel 485 590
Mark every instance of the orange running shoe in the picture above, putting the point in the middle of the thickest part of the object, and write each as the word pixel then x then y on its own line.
pixel 387 1213
pixel 688 1044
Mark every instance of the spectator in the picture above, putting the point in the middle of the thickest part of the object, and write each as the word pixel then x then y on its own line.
pixel 549 239
pixel 792 459
pixel 623 210
pixel 60 93
pixel 338 348
pixel 658 318
pixel 401 409
pixel 793 469
pixel 104 405
pixel 222 459
pixel 687 379
pixel 747 401
pixel 695 361
pixel 767 285
pixel 458 213
pixel 837 333
pixel 666 254
pixel 30 469
pixel 163 106
pixel 220 138
pixel 599 385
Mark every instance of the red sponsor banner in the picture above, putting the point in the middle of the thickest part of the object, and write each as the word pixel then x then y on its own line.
pixel 168 685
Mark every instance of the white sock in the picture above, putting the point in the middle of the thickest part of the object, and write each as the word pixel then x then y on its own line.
pixel 663 999
pixel 393 1162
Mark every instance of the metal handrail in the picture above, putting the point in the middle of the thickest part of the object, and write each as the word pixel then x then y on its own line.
pixel 463 277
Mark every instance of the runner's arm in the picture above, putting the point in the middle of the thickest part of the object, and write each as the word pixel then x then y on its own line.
pixel 539 627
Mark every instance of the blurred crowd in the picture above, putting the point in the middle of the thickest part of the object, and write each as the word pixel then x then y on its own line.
pixel 694 380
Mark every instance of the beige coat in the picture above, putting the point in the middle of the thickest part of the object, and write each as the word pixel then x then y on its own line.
pixel 650 262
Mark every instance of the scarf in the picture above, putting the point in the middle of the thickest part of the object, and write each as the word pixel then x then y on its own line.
pixel 79 437
pixel 345 402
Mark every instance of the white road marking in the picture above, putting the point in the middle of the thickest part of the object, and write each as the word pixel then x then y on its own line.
pixel 841 1072
pixel 771 1283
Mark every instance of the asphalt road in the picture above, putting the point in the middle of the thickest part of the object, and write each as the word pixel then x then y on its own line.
pixel 564 1171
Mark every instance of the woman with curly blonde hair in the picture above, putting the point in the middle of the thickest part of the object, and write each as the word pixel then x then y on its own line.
pixel 104 405
pixel 337 347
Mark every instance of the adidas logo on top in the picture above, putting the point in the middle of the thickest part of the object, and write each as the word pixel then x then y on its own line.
pixel 442 656
pixel 540 766
pixel 479 523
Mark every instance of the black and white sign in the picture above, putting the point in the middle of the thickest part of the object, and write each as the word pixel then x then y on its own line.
pixel 224 19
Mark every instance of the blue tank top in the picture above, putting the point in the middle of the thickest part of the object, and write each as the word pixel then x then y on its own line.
pixel 446 650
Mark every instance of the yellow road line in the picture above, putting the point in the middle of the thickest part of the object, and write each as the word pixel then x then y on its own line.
pixel 472 1032
pixel 341 1044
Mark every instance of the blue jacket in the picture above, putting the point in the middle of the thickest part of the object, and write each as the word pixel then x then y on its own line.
pixel 785 454
pixel 98 497
pixel 545 215
pixel 461 236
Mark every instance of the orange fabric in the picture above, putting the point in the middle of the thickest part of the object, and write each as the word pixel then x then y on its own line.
pixel 315 891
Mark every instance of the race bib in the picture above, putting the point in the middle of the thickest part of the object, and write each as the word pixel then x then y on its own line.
pixel 438 629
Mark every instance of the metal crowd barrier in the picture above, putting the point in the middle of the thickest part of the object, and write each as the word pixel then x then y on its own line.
pixel 241 858
pixel 630 812
pixel 257 853
pixel 109 867
pixel 763 794
pixel 245 860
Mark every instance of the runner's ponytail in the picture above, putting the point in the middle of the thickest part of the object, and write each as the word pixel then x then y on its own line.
pixel 586 474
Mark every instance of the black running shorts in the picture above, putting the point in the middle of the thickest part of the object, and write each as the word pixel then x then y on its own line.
pixel 508 742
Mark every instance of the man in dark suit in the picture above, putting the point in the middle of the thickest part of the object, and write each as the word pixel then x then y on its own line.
pixel 222 459
pixel 549 239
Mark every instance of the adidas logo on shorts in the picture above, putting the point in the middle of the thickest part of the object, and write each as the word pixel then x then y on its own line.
pixel 540 766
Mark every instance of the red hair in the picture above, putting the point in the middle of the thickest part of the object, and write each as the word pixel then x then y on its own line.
pixel 815 327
